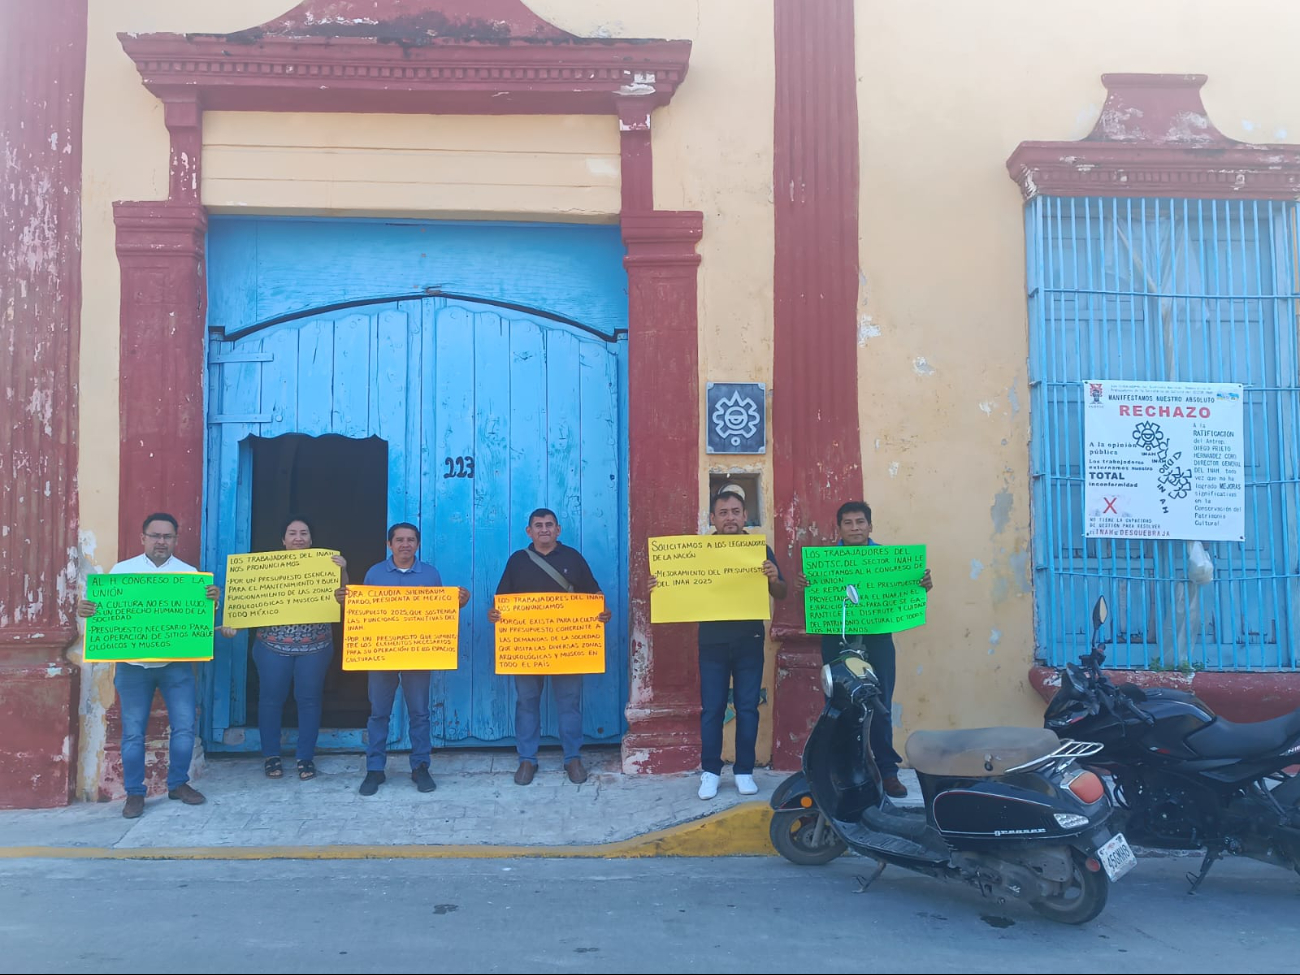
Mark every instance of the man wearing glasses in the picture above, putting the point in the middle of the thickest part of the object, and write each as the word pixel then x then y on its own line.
pixel 136 683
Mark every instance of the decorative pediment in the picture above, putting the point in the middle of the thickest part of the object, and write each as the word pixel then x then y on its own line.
pixel 1154 138
pixel 490 57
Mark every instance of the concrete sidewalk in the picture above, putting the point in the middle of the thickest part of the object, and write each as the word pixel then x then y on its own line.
pixel 477 810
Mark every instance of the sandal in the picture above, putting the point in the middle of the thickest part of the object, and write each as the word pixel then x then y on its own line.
pixel 306 769
pixel 272 768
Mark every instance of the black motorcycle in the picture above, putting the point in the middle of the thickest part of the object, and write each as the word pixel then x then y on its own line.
pixel 1008 810
pixel 1183 777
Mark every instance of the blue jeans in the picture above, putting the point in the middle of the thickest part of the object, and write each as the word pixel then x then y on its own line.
pixel 135 689
pixel 275 672
pixel 383 688
pixel 880 654
pixel 528 713
pixel 722 665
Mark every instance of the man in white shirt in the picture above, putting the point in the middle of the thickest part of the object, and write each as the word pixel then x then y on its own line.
pixel 136 682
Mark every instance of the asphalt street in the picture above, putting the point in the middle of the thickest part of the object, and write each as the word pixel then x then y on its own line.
pixel 661 915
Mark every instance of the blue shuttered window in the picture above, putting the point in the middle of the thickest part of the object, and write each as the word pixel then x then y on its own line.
pixel 1170 291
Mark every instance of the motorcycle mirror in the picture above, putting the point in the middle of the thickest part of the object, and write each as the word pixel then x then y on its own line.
pixel 1100 611
pixel 851 594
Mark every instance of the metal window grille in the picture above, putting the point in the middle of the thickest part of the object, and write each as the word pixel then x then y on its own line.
pixel 1171 291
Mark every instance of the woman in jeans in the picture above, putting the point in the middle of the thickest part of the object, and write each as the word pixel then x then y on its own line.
pixel 297 653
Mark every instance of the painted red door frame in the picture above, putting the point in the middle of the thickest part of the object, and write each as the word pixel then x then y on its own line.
pixel 437 57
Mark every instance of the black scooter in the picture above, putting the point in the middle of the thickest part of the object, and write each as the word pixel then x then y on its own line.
pixel 1183 777
pixel 1008 810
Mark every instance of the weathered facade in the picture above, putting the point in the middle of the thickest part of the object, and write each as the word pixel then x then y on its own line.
pixel 41 89
pixel 384 236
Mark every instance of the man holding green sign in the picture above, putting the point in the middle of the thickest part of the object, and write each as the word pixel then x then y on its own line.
pixel 172 634
pixel 890 603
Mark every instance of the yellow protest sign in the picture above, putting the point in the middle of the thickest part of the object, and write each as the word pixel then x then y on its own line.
pixel 401 628
pixel 550 633
pixel 708 577
pixel 274 588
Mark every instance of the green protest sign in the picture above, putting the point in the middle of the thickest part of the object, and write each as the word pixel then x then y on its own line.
pixel 150 616
pixel 887 578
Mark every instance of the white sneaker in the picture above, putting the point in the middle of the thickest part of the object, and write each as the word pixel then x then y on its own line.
pixel 709 785
pixel 746 785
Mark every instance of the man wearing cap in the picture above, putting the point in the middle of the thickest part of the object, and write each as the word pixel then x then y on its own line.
pixel 731 658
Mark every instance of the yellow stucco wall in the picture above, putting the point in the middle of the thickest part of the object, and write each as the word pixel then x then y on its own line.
pixel 455 166
pixel 946 91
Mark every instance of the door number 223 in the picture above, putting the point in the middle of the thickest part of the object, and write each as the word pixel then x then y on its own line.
pixel 458 466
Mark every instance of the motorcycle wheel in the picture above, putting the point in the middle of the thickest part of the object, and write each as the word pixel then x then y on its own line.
pixel 1082 900
pixel 792 833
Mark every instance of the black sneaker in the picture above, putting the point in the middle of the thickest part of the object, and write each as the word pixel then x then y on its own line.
pixel 422 779
pixel 370 785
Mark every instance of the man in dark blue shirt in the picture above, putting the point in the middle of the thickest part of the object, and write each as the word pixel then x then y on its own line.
pixel 731 657
pixel 401 568
pixel 853 521
pixel 546 565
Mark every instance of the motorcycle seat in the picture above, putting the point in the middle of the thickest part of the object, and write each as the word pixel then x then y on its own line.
pixel 977 752
pixel 1228 739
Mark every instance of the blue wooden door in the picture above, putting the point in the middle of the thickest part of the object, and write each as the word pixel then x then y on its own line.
pixel 487 413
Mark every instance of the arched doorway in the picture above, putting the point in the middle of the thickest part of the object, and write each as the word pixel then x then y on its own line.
pixel 478 413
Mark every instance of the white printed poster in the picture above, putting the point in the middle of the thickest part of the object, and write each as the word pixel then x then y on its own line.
pixel 1164 460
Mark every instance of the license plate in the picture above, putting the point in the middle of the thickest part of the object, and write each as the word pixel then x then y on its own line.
pixel 1116 857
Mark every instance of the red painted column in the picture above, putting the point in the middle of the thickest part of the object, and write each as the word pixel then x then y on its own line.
pixel 636 158
pixel 183 116
pixel 42 78
pixel 817 456
pixel 160 248
pixel 664 469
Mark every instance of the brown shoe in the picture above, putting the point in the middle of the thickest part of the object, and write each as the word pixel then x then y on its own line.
pixel 524 774
pixel 895 789
pixel 134 807
pixel 577 774
pixel 187 794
